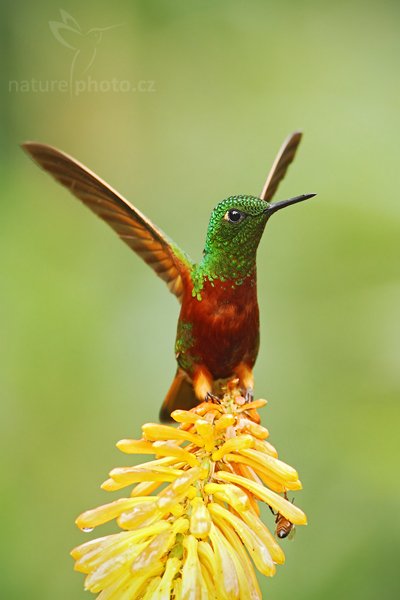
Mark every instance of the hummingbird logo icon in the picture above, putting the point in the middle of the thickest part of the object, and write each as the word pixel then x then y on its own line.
pixel 83 43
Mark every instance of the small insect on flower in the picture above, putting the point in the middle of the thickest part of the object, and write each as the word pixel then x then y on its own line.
pixel 284 527
pixel 191 528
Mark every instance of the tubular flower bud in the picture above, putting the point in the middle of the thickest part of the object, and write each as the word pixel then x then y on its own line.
pixel 190 524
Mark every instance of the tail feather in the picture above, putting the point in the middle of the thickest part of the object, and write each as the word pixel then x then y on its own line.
pixel 179 396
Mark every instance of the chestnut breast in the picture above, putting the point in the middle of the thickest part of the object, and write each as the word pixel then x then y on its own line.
pixel 222 327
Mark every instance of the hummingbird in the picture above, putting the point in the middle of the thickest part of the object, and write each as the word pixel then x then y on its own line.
pixel 217 336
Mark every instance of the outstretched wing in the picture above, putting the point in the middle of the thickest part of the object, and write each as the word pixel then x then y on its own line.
pixel 281 164
pixel 151 244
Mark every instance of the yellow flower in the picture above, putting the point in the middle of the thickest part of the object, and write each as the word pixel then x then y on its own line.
pixel 191 528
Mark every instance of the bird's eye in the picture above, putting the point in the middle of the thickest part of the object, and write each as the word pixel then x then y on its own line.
pixel 234 216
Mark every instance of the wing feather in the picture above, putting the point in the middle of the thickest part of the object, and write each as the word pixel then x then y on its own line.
pixel 150 243
pixel 281 164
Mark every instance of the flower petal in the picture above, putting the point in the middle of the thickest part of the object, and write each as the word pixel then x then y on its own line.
pixel 200 520
pixel 285 508
pixel 258 551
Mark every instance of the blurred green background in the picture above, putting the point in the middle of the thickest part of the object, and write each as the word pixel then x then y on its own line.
pixel 87 330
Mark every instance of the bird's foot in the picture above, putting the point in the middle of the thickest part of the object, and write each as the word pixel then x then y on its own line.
pixel 209 397
pixel 249 395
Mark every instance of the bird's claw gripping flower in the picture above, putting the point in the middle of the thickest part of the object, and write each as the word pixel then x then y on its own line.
pixel 191 528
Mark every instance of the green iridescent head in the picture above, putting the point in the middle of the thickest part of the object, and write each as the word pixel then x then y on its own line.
pixel 237 222
pixel 234 232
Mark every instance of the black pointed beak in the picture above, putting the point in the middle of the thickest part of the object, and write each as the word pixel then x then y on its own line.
pixel 271 208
